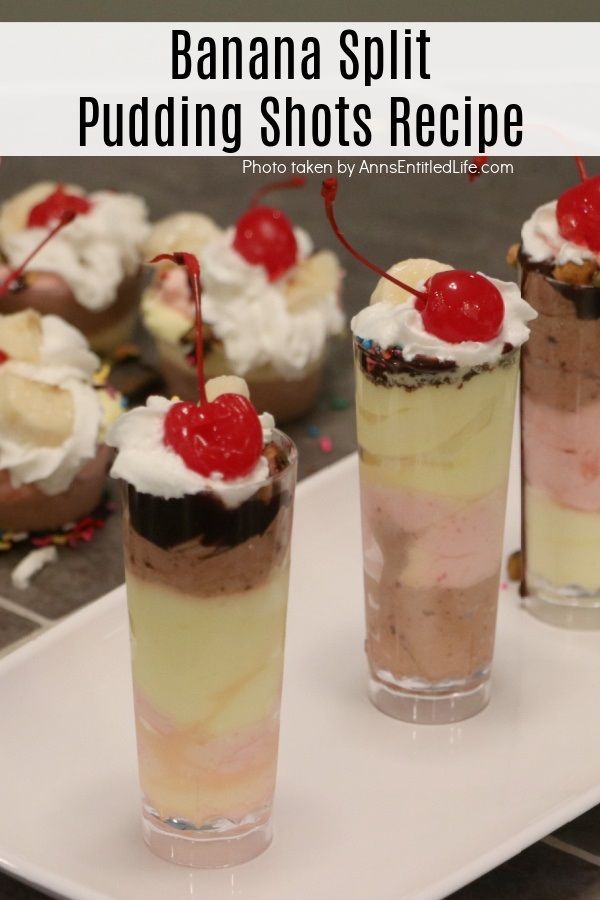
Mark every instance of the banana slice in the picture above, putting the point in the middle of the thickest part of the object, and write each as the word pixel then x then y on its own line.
pixel 15 212
pixel 411 271
pixel 315 278
pixel 35 413
pixel 226 384
pixel 187 231
pixel 21 335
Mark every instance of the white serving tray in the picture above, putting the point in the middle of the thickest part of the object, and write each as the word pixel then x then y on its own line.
pixel 366 807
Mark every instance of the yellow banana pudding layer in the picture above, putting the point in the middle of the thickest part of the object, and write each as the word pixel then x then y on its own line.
pixel 207 680
pixel 441 432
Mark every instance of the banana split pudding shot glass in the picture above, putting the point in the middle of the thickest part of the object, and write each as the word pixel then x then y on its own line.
pixel 559 260
pixel 208 494
pixel 436 362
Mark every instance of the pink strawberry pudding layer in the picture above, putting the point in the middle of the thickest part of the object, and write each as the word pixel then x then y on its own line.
pixel 434 422
pixel 563 457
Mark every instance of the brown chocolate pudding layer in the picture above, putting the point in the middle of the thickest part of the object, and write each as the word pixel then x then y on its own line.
pixel 201 547
pixel 388 368
pixel 560 361
pixel 27 508
pixel 430 634
pixel 49 293
pixel 202 570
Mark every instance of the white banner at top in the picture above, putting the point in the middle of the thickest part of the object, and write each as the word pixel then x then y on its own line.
pixel 290 89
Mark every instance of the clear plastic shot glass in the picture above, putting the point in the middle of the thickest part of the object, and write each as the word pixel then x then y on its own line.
pixel 434 444
pixel 207 587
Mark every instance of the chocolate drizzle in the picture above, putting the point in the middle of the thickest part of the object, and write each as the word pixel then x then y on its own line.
pixel 203 517
pixel 585 298
pixel 380 367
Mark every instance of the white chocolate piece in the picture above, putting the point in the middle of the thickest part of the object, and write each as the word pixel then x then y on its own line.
pixel 226 384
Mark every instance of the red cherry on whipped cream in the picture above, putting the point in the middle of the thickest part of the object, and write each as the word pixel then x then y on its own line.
pixel 3 357
pixel 455 306
pixel 461 306
pixel 223 437
pixel 264 235
pixel 54 206
pixel 578 211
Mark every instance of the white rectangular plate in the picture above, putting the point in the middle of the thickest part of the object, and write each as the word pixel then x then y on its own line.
pixel 366 806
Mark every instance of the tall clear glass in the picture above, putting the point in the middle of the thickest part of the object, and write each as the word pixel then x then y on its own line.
pixel 560 410
pixel 434 444
pixel 207 586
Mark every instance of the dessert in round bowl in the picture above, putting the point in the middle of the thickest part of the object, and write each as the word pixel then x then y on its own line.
pixel 270 305
pixel 90 274
pixel 53 460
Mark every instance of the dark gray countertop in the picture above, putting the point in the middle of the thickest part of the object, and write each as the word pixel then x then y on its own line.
pixel 388 217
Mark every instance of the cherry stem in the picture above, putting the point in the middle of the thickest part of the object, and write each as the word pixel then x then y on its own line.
pixel 190 262
pixel 296 182
pixel 581 168
pixel 65 219
pixel 328 193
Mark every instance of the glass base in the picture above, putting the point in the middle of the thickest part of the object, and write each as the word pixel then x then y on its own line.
pixel 574 614
pixel 202 850
pixel 429 708
pixel 565 606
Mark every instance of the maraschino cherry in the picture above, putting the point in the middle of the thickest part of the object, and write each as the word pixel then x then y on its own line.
pixel 578 211
pixel 3 357
pixel 54 206
pixel 264 235
pixel 478 162
pixel 223 437
pixel 455 306
pixel 64 219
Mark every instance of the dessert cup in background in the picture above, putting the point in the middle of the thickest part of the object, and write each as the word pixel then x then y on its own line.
pixel 91 274
pixel 560 413
pixel 53 459
pixel 436 361
pixel 208 498
pixel 270 326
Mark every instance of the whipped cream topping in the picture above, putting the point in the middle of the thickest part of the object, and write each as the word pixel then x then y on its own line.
pixel 542 241
pixel 93 254
pixel 390 324
pixel 65 362
pixel 65 349
pixel 144 460
pixel 247 312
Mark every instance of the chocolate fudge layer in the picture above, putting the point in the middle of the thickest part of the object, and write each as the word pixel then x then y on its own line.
pixel 388 368
pixel 561 362
pixel 201 547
